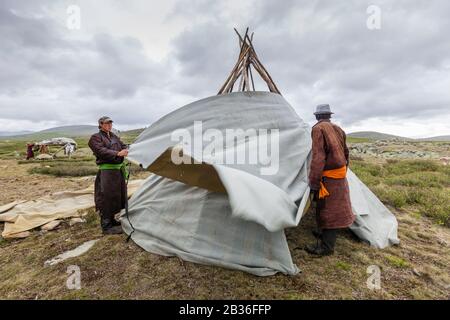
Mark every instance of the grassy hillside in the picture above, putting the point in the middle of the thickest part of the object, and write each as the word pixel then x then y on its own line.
pixel 65 131
pixel 16 148
pixel 437 138
pixel 373 135
pixel 419 268
pixel 79 131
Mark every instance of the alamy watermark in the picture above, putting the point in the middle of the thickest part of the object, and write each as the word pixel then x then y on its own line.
pixel 73 17
pixel 73 281
pixel 373 21
pixel 230 146
pixel 374 280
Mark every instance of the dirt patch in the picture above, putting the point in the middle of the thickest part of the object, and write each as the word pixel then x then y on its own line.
pixel 16 183
pixel 116 269
pixel 419 268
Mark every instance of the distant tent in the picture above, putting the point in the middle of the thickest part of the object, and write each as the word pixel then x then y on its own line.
pixel 229 213
pixel 61 141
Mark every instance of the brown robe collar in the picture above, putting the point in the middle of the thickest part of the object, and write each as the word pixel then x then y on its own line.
pixel 108 135
pixel 321 120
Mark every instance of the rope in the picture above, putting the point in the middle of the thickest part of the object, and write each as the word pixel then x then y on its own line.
pixel 126 203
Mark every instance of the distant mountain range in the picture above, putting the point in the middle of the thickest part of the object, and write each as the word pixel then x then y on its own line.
pixel 87 130
pixel 373 135
pixel 437 138
pixel 15 133
pixel 64 131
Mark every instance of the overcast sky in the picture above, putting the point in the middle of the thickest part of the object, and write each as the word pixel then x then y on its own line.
pixel 138 60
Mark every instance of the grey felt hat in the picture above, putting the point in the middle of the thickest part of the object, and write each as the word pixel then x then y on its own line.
pixel 104 119
pixel 323 109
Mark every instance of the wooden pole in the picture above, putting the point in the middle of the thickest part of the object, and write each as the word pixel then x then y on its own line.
pixel 243 68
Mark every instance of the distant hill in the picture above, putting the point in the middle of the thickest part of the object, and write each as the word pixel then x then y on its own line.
pixel 437 138
pixel 64 131
pixel 133 132
pixel 78 131
pixel 15 133
pixel 373 135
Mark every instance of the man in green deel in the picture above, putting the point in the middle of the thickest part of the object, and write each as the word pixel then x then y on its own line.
pixel 110 184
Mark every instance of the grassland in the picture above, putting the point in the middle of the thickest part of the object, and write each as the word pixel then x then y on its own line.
pixel 416 191
pixel 421 187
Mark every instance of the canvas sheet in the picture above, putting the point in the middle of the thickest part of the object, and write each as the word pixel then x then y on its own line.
pixel 20 216
pixel 234 214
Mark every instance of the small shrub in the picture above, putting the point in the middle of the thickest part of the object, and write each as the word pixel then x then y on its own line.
pixel 343 266
pixel 360 167
pixel 420 179
pixel 390 161
pixel 394 197
pixel 57 160
pixel 436 205
pixel 410 166
pixel 92 218
pixel 397 262
pixel 63 170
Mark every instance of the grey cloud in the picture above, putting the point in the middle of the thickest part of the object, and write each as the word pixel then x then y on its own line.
pixel 38 54
pixel 316 51
pixel 385 73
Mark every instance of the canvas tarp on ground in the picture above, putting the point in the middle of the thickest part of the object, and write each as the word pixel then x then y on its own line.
pixel 227 214
pixel 21 215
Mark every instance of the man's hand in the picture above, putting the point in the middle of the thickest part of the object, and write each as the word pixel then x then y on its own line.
pixel 122 153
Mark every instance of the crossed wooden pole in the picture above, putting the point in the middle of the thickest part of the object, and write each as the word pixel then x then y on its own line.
pixel 243 68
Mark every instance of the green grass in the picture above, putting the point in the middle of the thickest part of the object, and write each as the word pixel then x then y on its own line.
pixel 397 262
pixel 92 218
pixel 71 168
pixel 57 160
pixel 422 186
pixel 62 169
pixel 343 266
pixel 358 140
pixel 10 149
pixel 15 148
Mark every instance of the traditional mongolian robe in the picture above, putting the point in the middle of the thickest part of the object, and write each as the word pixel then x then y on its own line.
pixel 330 152
pixel 110 186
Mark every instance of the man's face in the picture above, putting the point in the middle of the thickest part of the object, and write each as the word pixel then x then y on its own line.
pixel 106 126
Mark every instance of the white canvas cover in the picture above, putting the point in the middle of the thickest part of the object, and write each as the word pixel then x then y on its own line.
pixel 228 214
pixel 57 142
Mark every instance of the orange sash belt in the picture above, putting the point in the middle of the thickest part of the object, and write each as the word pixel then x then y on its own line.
pixel 338 173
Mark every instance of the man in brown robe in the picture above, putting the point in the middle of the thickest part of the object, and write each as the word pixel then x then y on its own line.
pixel 110 186
pixel 330 159
pixel 30 152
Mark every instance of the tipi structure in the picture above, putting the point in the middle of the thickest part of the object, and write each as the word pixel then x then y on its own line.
pixel 229 175
pixel 242 71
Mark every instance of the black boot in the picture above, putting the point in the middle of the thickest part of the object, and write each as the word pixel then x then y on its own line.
pixel 113 230
pixel 318 249
pixel 317 234
pixel 325 243
pixel 108 226
pixel 116 223
pixel 329 239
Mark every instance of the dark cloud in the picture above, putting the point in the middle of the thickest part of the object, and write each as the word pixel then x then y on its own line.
pixel 316 51
pixel 324 48
pixel 38 55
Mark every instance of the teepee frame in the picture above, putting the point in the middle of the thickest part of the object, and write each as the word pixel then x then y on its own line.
pixel 242 70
